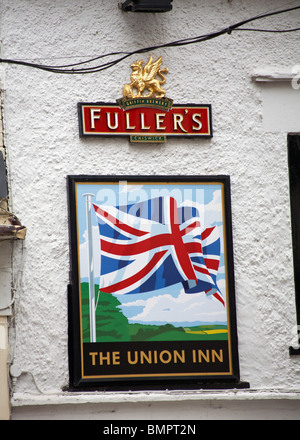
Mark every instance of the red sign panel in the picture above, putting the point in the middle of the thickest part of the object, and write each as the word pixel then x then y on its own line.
pixel 145 124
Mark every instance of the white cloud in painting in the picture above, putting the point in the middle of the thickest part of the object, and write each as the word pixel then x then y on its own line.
pixel 211 212
pixel 185 308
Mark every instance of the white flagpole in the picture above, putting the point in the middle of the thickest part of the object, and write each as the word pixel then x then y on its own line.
pixel 91 267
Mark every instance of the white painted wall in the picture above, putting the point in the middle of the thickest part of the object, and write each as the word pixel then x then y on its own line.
pixel 43 147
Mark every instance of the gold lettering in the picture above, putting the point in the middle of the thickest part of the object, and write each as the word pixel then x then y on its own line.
pixel 161 357
pixel 194 356
pixel 155 356
pixel 108 357
pixel 129 357
pixel 219 356
pixel 116 358
pixel 93 354
pixel 147 358
pixel 104 358
pixel 207 356
pixel 178 356
pixel 201 354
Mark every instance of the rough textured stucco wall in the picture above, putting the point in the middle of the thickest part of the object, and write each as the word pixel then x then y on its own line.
pixel 43 147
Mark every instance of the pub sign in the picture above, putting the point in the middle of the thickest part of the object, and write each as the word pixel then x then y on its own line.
pixel 145 113
pixel 151 297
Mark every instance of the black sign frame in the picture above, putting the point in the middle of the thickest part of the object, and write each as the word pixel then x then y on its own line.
pixel 176 364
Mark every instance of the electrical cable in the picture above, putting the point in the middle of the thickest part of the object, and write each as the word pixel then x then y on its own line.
pixel 275 31
pixel 70 68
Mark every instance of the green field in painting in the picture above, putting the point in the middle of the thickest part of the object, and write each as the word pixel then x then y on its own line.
pixel 113 326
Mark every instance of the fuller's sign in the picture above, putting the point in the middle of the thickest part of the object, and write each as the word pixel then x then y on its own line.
pixel 145 118
pixel 145 123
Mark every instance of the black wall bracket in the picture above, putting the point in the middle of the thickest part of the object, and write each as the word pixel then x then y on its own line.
pixel 146 5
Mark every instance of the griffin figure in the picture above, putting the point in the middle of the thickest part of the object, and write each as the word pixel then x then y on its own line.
pixel 144 79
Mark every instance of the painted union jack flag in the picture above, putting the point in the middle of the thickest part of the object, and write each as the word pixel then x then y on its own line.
pixel 155 244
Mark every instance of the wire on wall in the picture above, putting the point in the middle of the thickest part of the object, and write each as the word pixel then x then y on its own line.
pixel 75 69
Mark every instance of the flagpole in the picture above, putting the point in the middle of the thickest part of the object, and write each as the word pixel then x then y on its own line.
pixel 88 197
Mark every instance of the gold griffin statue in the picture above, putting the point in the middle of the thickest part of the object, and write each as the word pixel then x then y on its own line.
pixel 144 79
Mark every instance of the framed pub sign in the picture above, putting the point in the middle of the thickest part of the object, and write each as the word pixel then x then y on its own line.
pixel 151 298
